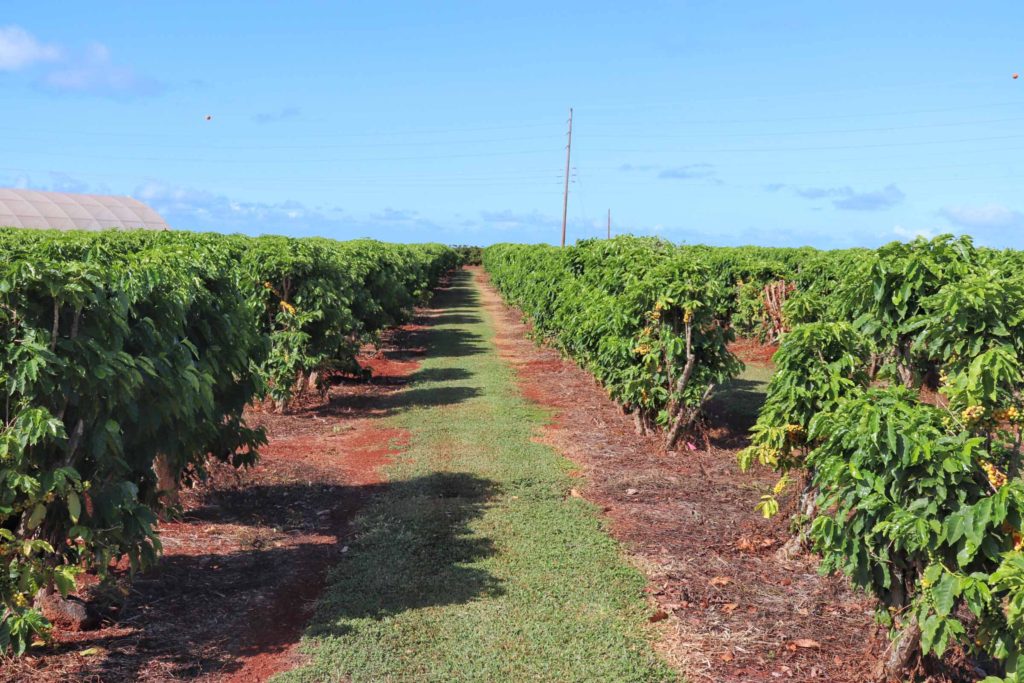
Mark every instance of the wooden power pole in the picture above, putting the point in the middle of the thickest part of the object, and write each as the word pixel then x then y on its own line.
pixel 609 223
pixel 565 196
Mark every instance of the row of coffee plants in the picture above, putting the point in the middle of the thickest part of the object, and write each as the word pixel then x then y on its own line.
pixel 644 316
pixel 901 413
pixel 122 349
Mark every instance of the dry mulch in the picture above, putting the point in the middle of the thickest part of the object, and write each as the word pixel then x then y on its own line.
pixel 245 561
pixel 732 610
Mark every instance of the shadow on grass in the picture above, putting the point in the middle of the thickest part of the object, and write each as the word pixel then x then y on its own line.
pixel 194 615
pixel 732 411
pixel 440 343
pixel 439 375
pixel 455 318
pixel 412 549
pixel 454 343
pixel 378 406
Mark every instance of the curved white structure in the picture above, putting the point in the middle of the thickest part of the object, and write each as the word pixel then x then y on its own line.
pixel 62 211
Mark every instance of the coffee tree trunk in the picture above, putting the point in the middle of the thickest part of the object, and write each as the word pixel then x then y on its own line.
pixel 898 658
pixel 807 508
pixel 166 481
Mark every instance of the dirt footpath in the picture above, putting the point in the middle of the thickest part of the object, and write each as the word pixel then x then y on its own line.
pixel 733 612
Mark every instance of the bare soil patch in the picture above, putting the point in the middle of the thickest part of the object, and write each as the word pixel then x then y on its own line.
pixel 732 610
pixel 245 561
pixel 751 351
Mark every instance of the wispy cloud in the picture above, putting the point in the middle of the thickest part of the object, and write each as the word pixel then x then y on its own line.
pixel 19 49
pixel 276 116
pixel 532 226
pixel 986 217
pixel 877 200
pixel 688 172
pixel 846 198
pixel 94 72
pixel 188 208
pixel 911 233
pixel 194 209
pixel 628 168
pixel 390 215
pixel 67 70
pixel 507 219
pixel 54 181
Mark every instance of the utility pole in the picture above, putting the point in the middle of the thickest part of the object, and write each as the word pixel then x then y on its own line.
pixel 565 197
pixel 609 223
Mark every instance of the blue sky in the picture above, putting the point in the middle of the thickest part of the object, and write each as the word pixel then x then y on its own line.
pixel 788 123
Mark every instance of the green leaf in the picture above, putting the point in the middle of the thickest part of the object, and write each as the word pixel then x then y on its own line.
pixel 36 518
pixel 944 594
pixel 74 506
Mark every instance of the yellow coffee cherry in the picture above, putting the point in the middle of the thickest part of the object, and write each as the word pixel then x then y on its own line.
pixel 995 477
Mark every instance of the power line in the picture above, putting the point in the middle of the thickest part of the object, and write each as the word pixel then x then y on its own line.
pixel 722 150
pixel 317 136
pixel 375 145
pixel 196 160
pixel 886 129
pixel 859 115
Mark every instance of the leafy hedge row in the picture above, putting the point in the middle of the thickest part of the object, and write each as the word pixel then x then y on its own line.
pixel 119 348
pixel 640 314
pixel 904 418
pixel 898 402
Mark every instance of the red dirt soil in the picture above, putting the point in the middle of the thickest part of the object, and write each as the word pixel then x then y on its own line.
pixel 245 562
pixel 752 351
pixel 730 610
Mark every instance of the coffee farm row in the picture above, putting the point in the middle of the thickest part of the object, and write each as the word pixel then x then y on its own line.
pixel 895 413
pixel 121 350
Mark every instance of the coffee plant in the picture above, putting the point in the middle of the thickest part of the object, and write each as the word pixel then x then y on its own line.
pixel 119 348
pixel 640 314
pixel 904 419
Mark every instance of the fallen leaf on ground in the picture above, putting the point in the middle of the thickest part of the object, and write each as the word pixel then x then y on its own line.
pixel 727 657
pixel 658 616
pixel 720 581
pixel 631 492
pixel 730 606
pixel 807 643
pixel 575 494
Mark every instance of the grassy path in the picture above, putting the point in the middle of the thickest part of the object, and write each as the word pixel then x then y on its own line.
pixel 474 564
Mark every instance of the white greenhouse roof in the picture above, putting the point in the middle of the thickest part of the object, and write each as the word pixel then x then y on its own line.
pixel 62 211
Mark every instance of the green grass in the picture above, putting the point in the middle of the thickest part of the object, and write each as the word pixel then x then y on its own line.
pixel 473 564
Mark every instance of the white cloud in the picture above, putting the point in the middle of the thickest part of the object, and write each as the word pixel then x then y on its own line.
pixel 283 114
pixel 19 49
pixel 638 167
pixel 688 172
pixel 95 73
pixel 55 181
pixel 187 208
pixel 985 217
pixel 911 233
pixel 846 198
